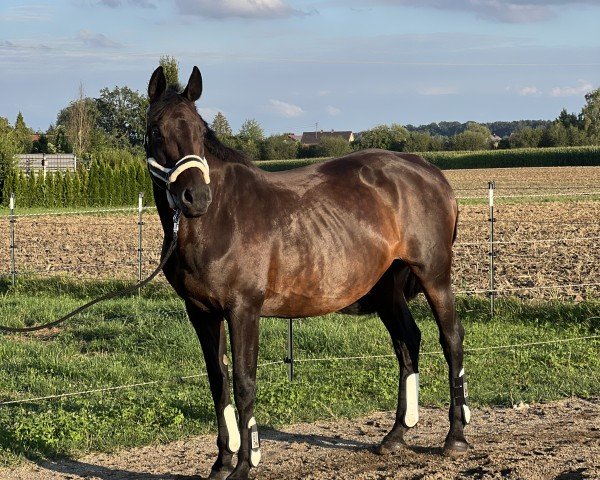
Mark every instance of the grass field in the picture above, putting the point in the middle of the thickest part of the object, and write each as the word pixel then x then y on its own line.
pixel 525 353
pixel 148 339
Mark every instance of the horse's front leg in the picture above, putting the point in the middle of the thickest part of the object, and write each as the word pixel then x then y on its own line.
pixel 243 328
pixel 211 333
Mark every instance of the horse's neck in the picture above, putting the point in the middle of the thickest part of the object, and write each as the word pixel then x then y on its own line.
pixel 164 211
pixel 225 179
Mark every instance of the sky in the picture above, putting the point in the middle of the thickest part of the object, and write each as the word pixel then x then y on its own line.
pixel 297 65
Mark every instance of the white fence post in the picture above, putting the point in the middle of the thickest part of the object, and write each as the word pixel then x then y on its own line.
pixel 492 253
pixel 12 221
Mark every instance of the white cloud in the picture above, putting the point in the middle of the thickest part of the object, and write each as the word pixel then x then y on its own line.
pixel 581 89
pixel 333 111
pixel 529 91
pixel 286 110
pixel 438 91
pixel 235 8
pixel 96 40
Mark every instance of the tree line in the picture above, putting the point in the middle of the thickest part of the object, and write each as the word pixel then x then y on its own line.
pixel 110 129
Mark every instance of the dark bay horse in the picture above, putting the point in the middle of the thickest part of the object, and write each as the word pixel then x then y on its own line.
pixel 357 234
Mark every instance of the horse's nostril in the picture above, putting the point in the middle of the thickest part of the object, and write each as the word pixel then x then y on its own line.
pixel 188 199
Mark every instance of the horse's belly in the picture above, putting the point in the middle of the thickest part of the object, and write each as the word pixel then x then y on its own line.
pixel 323 287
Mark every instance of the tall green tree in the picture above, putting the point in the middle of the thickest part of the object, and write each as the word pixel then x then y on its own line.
pixel 171 69
pixel 526 137
pixel 387 137
pixel 122 115
pixel 78 119
pixel 567 119
pixel 23 134
pixel 251 130
pixel 221 127
pixel 417 142
pixel 9 147
pixel 475 137
pixel 590 115
pixel 333 147
pixel 277 147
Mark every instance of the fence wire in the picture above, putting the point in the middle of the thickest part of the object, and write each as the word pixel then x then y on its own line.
pixel 179 380
pixel 143 256
pixel 473 291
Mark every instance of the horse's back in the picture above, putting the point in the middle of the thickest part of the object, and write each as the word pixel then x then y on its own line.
pixel 346 220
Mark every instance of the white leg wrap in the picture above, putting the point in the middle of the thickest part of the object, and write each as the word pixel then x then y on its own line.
pixel 254 443
pixel 233 433
pixel 466 411
pixel 411 416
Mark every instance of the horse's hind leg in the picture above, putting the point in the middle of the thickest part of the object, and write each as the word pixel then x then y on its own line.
pixel 437 289
pixel 406 339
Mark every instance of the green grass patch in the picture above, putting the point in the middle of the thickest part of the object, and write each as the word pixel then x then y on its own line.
pixel 148 339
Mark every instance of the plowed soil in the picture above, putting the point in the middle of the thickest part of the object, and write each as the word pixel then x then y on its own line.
pixel 543 250
pixel 558 441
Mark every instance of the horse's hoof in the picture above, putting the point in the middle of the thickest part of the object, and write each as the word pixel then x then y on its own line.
pixel 235 476
pixel 389 447
pixel 220 474
pixel 238 475
pixel 455 448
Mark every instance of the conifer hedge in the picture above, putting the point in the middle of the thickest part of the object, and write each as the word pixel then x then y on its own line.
pixel 100 186
pixel 113 184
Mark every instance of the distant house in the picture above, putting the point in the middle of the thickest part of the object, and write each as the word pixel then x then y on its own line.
pixel 495 140
pixel 294 137
pixel 313 138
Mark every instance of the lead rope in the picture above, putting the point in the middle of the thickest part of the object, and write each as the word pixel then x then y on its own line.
pixel 109 295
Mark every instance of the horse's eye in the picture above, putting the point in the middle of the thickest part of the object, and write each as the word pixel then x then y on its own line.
pixel 156 135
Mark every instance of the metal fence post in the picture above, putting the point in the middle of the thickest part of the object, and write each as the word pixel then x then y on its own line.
pixel 289 359
pixel 12 220
pixel 492 253
pixel 140 236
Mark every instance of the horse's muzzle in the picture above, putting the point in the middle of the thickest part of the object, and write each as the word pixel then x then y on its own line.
pixel 194 200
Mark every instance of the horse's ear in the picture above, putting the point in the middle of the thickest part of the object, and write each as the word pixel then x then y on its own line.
pixel 194 87
pixel 157 85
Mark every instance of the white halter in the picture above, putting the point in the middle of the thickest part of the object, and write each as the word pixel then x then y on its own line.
pixel 165 176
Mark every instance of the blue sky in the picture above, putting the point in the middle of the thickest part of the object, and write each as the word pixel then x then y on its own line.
pixel 346 64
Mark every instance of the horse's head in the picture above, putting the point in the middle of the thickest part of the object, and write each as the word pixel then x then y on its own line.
pixel 175 144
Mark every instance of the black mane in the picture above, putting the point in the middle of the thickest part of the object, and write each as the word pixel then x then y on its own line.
pixel 222 151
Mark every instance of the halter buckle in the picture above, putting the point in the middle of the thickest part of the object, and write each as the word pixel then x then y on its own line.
pixel 176 218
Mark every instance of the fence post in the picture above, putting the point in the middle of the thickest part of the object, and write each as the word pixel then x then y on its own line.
pixel 289 359
pixel 140 236
pixel 12 220
pixel 492 253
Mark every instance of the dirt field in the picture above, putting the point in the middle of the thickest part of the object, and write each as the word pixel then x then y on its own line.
pixel 558 441
pixel 540 244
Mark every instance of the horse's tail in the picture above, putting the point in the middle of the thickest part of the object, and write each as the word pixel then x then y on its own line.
pixel 412 286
